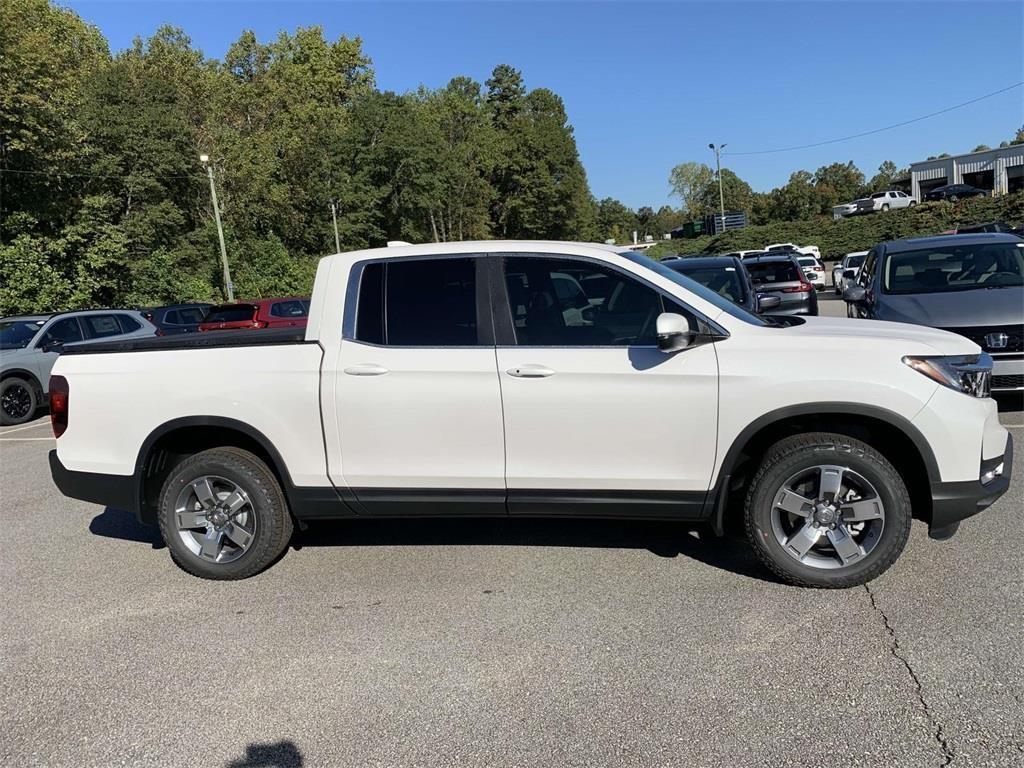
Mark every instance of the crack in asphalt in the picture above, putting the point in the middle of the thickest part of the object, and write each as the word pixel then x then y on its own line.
pixel 938 733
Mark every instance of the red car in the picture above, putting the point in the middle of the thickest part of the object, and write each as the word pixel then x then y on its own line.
pixel 260 313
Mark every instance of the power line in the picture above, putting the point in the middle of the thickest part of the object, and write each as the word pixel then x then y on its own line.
pixel 879 130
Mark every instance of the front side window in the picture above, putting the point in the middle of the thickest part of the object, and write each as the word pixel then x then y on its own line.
pixel 954 268
pixel 564 302
pixel 418 303
pixel 867 273
pixel 65 331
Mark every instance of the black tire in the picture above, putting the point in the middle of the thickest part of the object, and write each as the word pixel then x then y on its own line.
pixel 273 523
pixel 792 454
pixel 19 401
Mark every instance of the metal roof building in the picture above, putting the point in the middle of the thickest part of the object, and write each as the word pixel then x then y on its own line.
pixel 998 170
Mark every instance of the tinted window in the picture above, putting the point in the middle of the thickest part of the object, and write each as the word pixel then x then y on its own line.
pixel 294 308
pixel 867 274
pixel 99 326
pixel 16 334
pixel 230 313
pixel 129 323
pixel 594 305
pixel 854 262
pixel 189 316
pixel 773 272
pixel 171 317
pixel 420 303
pixel 65 331
pixel 370 309
pixel 954 268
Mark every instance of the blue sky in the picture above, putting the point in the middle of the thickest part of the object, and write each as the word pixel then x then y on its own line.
pixel 648 85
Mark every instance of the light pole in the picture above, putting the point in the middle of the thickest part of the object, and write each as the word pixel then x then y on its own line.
pixel 718 166
pixel 229 289
pixel 334 218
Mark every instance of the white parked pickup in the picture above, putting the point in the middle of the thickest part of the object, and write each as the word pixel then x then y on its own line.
pixel 530 379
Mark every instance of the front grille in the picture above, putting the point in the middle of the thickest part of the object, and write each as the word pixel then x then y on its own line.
pixel 978 334
pixel 1015 381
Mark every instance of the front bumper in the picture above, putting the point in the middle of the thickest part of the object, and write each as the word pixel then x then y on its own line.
pixel 953 502
pixel 116 491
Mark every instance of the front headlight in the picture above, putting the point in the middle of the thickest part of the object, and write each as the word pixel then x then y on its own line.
pixel 970 374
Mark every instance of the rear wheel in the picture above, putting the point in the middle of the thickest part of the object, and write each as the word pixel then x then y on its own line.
pixel 911 204
pixel 223 515
pixel 827 510
pixel 19 401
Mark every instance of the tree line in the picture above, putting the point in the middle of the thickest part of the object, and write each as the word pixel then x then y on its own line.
pixel 103 199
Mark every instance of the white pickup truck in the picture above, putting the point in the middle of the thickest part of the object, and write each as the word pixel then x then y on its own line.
pixel 464 379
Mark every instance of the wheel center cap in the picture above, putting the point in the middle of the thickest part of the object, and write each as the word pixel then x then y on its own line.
pixel 218 519
pixel 824 513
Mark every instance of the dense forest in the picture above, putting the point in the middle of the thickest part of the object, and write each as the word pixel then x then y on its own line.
pixel 103 199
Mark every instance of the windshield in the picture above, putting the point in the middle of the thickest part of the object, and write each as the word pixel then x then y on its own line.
pixel 725 281
pixel 954 268
pixel 694 287
pixel 16 334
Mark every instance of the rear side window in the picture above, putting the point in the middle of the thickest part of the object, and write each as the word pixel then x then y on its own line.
pixel 172 317
pixel 189 316
pixel 129 323
pixel 231 313
pixel 294 308
pixel 419 303
pixel 100 326
pixel 773 272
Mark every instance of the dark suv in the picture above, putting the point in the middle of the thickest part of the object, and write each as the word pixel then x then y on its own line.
pixel 726 276
pixel 972 285
pixel 174 319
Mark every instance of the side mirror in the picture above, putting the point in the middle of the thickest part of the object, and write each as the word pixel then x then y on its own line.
pixel 849 274
pixel 674 332
pixel 54 345
pixel 855 294
pixel 767 301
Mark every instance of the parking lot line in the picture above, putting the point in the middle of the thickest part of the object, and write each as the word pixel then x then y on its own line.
pixel 24 439
pixel 39 423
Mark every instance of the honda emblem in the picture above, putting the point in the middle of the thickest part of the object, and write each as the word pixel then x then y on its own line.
pixel 996 340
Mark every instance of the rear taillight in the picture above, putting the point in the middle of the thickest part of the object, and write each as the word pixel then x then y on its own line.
pixel 802 288
pixel 59 394
pixel 160 332
pixel 259 324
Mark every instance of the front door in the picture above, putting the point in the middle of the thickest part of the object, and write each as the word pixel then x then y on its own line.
pixel 597 418
pixel 417 394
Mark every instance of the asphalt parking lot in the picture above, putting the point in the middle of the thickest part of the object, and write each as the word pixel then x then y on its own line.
pixel 497 642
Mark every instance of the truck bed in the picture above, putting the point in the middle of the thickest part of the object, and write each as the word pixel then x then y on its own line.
pixel 208 340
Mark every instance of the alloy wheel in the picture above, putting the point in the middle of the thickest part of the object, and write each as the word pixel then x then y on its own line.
pixel 827 516
pixel 16 401
pixel 215 519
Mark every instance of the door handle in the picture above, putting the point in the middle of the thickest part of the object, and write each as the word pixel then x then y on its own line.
pixel 366 369
pixel 532 371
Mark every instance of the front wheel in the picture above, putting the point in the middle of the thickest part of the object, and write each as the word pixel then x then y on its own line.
pixel 828 511
pixel 885 206
pixel 223 515
pixel 911 204
pixel 18 401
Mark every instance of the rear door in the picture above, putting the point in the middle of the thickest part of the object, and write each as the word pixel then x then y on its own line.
pixel 417 397
pixel 597 419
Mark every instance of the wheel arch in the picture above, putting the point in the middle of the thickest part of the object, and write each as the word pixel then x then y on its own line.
pixel 22 373
pixel 893 435
pixel 174 441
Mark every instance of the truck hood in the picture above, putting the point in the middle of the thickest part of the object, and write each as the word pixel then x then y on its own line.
pixel 955 309
pixel 914 336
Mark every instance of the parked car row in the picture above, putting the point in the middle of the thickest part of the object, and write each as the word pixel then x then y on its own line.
pixel 891 199
pixel 30 344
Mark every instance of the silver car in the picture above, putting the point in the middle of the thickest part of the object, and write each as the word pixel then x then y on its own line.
pixel 30 344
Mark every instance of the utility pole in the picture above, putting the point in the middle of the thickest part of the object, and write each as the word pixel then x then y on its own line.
pixel 334 218
pixel 229 289
pixel 718 166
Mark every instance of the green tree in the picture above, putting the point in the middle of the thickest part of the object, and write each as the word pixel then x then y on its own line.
pixel 689 182
pixel 837 183
pixel 736 192
pixel 615 221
